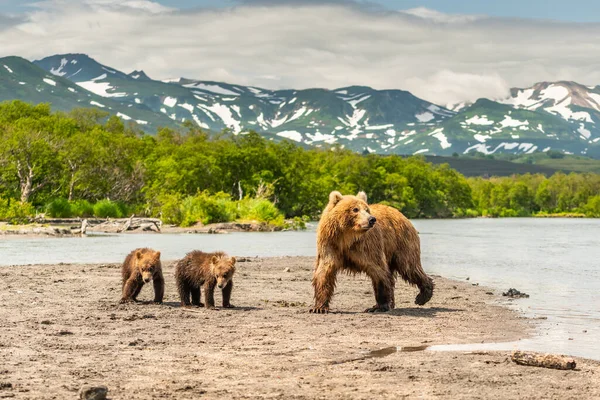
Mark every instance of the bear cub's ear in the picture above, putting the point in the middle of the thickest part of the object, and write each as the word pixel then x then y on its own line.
pixel 214 260
pixel 232 260
pixel 362 196
pixel 335 197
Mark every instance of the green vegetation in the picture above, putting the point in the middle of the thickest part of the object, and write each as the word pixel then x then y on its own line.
pixel 526 195
pixel 83 164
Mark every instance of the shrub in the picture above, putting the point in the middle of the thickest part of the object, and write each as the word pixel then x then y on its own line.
pixel 592 207
pixel 107 209
pixel 260 210
pixel 207 209
pixel 170 209
pixel 82 209
pixel 15 212
pixel 59 208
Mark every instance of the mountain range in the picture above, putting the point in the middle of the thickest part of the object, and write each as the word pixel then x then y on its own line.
pixel 559 116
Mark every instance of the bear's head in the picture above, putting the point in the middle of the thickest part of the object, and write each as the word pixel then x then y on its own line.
pixel 222 268
pixel 147 261
pixel 350 212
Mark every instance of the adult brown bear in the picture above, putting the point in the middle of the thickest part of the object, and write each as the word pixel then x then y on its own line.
pixel 377 240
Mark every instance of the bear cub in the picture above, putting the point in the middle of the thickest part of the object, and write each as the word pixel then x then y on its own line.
pixel 209 269
pixel 142 266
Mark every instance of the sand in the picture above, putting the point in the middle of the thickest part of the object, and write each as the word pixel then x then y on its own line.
pixel 61 327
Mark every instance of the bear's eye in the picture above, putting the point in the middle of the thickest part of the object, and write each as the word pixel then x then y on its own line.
pixel 355 209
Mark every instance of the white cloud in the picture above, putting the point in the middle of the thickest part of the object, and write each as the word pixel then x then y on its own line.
pixel 442 58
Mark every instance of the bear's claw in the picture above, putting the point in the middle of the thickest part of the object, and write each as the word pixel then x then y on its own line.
pixel 319 310
pixel 378 308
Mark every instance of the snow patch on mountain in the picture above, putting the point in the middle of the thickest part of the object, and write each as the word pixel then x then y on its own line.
pixel 211 88
pixel 586 134
pixel 224 113
pixel 59 71
pixel 293 135
pixel 170 101
pixel 509 122
pixel 124 116
pixel 8 69
pixel 50 81
pixel 439 135
pixel 477 120
pixel 425 117
pixel 100 88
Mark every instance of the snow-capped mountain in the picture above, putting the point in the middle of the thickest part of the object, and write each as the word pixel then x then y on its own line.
pixel 560 116
pixel 355 117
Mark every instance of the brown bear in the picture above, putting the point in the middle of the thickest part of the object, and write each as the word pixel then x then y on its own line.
pixel 209 269
pixel 377 240
pixel 142 266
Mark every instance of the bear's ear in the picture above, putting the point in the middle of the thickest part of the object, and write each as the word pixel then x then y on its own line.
pixel 157 255
pixel 362 196
pixel 232 260
pixel 214 260
pixel 138 254
pixel 335 197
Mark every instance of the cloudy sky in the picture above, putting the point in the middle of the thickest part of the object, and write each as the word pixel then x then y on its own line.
pixel 445 51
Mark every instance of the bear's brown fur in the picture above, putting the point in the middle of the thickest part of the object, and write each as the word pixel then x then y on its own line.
pixel 142 266
pixel 377 240
pixel 208 269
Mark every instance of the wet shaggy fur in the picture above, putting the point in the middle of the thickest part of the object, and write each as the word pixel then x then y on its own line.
pixel 348 239
pixel 199 269
pixel 142 266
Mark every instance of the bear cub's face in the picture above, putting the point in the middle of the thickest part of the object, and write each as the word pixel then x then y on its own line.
pixel 147 263
pixel 223 269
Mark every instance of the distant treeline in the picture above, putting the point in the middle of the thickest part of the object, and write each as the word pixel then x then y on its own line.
pixel 86 163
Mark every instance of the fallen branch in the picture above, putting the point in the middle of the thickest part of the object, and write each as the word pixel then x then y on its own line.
pixel 543 360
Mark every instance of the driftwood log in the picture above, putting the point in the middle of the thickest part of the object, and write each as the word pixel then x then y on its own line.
pixel 543 360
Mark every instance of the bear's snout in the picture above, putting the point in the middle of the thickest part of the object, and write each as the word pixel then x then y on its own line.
pixel 372 221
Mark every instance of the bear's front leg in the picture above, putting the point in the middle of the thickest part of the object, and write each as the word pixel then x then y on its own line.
pixel 131 289
pixel 227 295
pixel 159 288
pixel 209 294
pixel 324 279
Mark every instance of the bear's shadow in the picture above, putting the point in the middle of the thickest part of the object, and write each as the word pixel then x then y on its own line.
pixel 176 304
pixel 408 312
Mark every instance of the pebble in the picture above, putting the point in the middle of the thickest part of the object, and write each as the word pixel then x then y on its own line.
pixel 88 392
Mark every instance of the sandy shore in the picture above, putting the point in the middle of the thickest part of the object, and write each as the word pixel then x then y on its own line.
pixel 61 327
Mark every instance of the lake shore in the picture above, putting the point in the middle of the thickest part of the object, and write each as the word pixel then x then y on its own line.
pixel 62 327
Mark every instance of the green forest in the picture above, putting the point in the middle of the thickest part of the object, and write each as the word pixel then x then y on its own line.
pixel 83 164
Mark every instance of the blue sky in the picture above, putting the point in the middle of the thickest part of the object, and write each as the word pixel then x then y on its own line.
pixel 560 10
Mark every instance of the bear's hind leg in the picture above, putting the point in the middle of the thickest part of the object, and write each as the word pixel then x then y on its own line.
pixel 196 297
pixel 184 293
pixel 412 272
